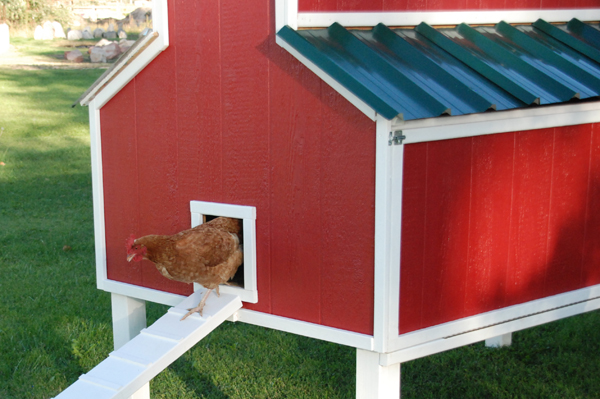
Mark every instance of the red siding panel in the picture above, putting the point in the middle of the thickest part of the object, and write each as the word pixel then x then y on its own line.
pixel 529 216
pixel 489 220
pixel 347 215
pixel 414 200
pixel 506 219
pixel 227 117
pixel 591 252
pixel 121 189
pixel 296 238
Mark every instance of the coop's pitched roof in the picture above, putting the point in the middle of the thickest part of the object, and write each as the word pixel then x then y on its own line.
pixel 427 72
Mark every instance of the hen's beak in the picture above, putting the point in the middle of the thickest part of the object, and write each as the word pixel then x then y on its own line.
pixel 130 256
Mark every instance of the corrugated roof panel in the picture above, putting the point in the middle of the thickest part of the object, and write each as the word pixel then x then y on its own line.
pixel 426 72
pixel 461 71
pixel 544 59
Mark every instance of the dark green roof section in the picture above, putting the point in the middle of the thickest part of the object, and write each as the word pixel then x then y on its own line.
pixel 427 72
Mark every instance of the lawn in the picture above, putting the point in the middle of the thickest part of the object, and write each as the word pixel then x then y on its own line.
pixel 55 324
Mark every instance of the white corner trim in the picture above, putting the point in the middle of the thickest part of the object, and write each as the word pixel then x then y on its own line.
pixel 97 194
pixel 311 330
pixel 538 117
pixel 413 18
pixel 286 13
pixel 358 103
pixel 149 48
pixel 388 208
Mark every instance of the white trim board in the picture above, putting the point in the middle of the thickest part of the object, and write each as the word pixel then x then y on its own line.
pixel 517 120
pixel 249 293
pixel 497 317
pixel 325 333
pixel 413 18
pixel 470 337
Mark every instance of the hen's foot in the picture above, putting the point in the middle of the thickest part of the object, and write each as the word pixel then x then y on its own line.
pixel 198 308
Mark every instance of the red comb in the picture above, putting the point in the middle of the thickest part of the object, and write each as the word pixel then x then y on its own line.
pixel 130 241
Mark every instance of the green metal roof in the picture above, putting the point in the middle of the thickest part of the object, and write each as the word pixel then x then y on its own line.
pixel 427 72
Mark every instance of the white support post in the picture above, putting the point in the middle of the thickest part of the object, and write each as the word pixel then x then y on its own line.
pixel 374 381
pixel 129 318
pixel 499 341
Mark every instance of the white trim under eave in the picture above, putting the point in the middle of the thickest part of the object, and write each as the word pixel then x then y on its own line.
pixel 540 117
pixel 413 18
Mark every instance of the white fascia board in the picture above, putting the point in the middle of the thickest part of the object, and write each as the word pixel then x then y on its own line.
pixel 413 18
pixel 451 127
pixel 358 103
pixel 473 336
pixel 97 193
pixel 311 330
pixel 150 47
pixel 532 310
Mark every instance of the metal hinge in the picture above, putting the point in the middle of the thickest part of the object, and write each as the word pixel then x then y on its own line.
pixel 396 137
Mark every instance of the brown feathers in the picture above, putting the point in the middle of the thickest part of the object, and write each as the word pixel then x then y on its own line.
pixel 208 254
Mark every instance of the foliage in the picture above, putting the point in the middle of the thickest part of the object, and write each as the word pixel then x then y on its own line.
pixel 27 13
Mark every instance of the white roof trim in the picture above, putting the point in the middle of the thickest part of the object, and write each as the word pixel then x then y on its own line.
pixel 413 18
pixel 133 61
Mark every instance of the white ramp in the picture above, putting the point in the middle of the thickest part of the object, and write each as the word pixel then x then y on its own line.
pixel 130 367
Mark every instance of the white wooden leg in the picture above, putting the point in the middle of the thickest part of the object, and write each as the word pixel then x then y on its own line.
pixel 129 318
pixel 499 341
pixel 374 381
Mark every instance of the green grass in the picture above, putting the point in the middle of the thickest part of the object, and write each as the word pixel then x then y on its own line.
pixel 55 324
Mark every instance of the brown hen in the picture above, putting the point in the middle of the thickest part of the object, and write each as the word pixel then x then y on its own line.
pixel 208 254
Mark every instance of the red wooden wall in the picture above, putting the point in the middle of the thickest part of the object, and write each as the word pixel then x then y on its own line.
pixel 433 5
pixel 226 115
pixel 494 221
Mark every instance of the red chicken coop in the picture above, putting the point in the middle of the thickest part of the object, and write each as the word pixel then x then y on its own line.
pixel 411 177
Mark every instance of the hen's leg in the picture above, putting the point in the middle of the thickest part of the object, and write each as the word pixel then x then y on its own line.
pixel 199 307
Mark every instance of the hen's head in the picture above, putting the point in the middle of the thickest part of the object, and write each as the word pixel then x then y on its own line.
pixel 135 251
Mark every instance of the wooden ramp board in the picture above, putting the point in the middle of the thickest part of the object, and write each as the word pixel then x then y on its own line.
pixel 128 368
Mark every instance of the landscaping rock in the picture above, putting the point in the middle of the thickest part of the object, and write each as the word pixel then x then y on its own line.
pixel 112 51
pixel 87 33
pixel 110 35
pixel 74 56
pixel 122 34
pixel 48 30
pixel 111 28
pixel 41 34
pixel 97 54
pixel 75 35
pixel 126 44
pixel 141 15
pixel 98 33
pixel 103 42
pixel 4 38
pixel 59 32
